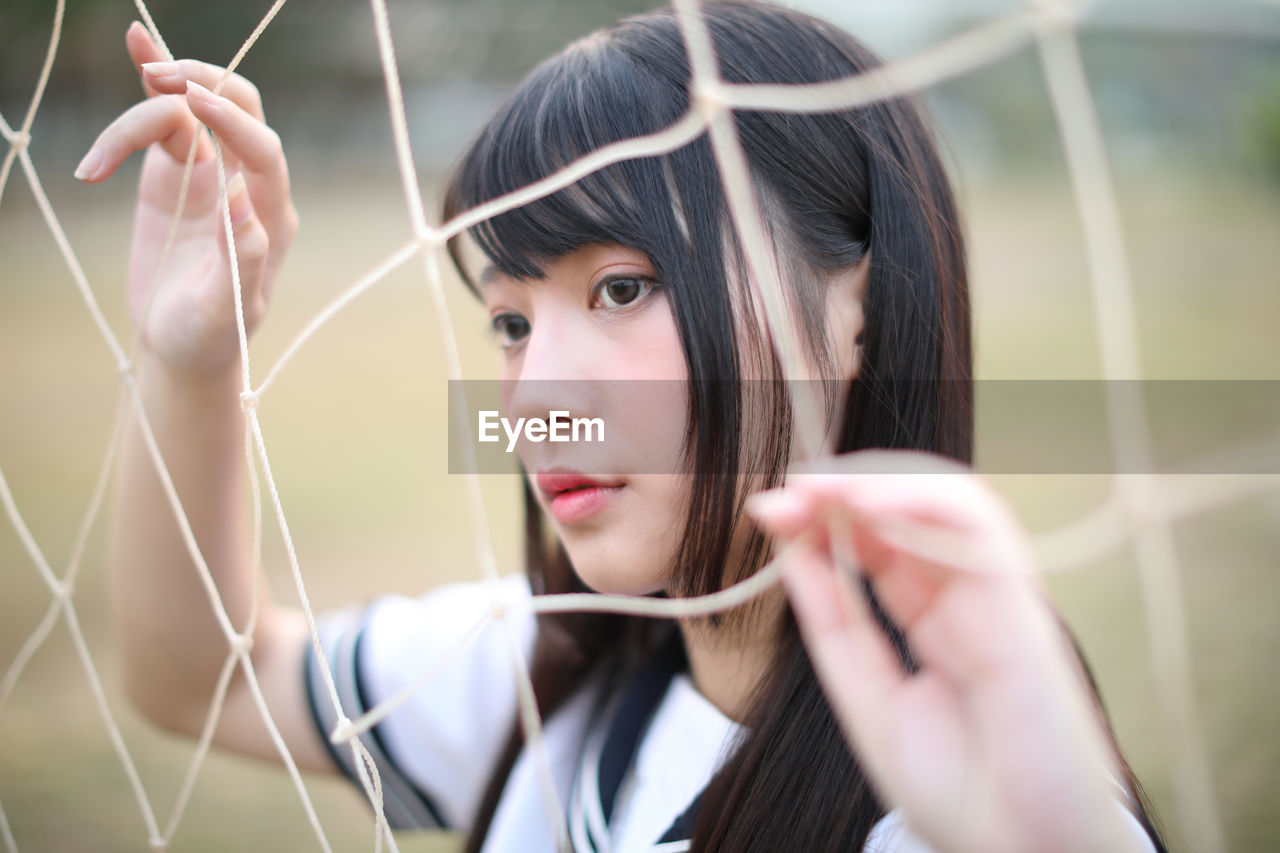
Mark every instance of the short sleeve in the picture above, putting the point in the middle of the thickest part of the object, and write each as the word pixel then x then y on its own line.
pixel 435 752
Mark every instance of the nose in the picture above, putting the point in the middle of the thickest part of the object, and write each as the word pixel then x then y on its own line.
pixel 555 374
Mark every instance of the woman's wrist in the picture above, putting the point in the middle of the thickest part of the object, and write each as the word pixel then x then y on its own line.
pixel 159 378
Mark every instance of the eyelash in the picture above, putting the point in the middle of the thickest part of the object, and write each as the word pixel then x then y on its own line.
pixel 500 325
pixel 648 285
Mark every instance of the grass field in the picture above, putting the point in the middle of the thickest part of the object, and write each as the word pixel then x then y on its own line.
pixel 355 430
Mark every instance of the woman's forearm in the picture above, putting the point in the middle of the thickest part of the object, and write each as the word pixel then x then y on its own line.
pixel 172 643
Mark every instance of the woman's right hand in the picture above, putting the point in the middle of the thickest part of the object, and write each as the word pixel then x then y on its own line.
pixel 190 323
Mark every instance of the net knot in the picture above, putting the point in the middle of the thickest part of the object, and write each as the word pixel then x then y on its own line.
pixel 342 732
pixel 249 401
pixel 502 604
pixel 62 591
pixel 430 238
pixel 20 141
pixel 708 98
pixel 158 845
pixel 241 644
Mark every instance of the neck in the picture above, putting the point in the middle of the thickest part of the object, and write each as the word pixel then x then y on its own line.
pixel 728 662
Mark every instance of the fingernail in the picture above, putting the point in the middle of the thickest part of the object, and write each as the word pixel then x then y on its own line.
pixel 89 166
pixel 238 200
pixel 203 94
pixel 160 70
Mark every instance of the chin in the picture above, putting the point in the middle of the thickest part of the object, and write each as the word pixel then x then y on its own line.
pixel 603 573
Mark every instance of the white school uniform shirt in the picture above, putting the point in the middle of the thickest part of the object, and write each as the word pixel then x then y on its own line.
pixel 435 752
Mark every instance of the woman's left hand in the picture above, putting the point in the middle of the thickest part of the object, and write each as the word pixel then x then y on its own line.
pixel 995 742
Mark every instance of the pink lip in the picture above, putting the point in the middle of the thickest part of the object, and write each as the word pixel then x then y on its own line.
pixel 574 496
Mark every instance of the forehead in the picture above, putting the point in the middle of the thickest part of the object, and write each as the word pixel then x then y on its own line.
pixel 475 268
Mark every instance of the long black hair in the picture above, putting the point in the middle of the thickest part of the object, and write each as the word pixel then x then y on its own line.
pixel 840 189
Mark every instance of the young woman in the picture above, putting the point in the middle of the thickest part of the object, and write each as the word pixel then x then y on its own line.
pixel 936 705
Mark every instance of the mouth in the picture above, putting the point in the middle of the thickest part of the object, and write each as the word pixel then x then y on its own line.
pixel 576 497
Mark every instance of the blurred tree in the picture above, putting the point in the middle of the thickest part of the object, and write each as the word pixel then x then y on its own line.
pixel 316 41
pixel 1261 113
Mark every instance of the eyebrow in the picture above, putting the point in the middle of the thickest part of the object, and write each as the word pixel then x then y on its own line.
pixel 485 280
pixel 491 273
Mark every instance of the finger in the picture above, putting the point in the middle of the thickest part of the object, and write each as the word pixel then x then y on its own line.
pixel 171 78
pixel 252 246
pixel 905 590
pixel 950 617
pixel 845 478
pixel 165 121
pixel 258 149
pixel 950 522
pixel 950 500
pixel 783 512
pixel 852 657
pixel 142 50
pixel 909 545
pixel 955 491
pixel 882 522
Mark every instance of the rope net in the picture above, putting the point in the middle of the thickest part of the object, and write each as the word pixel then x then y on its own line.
pixel 1141 508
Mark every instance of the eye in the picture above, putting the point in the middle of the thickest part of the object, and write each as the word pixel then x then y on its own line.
pixel 510 329
pixel 620 291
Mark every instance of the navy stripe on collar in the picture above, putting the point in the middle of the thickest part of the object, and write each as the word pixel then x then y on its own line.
pixel 625 733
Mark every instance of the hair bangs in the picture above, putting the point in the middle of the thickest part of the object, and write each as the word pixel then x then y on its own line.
pixel 589 97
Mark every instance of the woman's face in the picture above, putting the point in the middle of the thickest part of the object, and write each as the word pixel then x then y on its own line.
pixel 588 340
pixel 596 339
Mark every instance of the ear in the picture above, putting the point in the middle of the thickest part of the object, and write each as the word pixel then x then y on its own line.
pixel 846 298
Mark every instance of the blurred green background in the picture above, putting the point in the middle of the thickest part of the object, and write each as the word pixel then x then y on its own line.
pixel 1188 94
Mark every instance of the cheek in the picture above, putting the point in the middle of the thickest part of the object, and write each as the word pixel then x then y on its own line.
pixel 633 552
pixel 660 528
pixel 645 403
pixel 651 418
pixel 652 344
pixel 650 405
